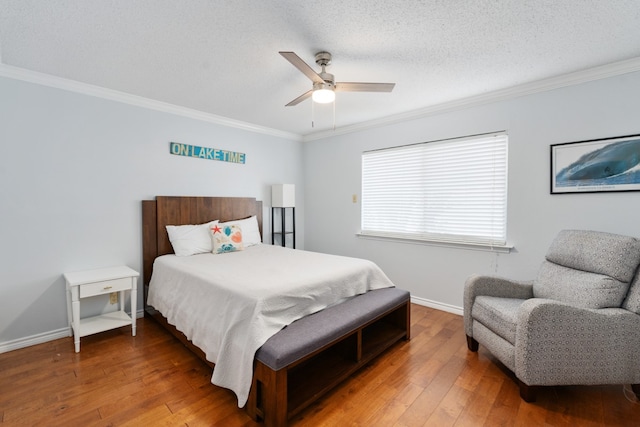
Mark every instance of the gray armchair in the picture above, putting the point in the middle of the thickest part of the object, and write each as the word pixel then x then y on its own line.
pixel 578 323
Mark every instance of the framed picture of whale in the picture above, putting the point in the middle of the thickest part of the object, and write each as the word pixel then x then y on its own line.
pixel 596 165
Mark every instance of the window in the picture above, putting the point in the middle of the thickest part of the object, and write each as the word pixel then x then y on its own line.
pixel 449 191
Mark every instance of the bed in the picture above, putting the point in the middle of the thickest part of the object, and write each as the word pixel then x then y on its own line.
pixel 238 370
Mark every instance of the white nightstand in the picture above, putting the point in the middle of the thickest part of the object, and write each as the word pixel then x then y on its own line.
pixel 83 284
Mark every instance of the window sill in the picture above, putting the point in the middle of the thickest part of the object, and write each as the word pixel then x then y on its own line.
pixel 505 249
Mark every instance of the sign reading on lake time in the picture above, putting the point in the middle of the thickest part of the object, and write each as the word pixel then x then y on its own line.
pixel 206 153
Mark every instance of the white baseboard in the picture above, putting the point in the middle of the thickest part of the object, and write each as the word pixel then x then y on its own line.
pixel 34 339
pixel 66 332
pixel 438 305
pixel 42 338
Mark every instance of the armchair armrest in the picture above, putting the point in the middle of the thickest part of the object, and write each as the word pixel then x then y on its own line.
pixel 495 287
pixel 558 343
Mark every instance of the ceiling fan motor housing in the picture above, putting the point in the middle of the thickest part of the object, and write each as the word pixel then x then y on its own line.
pixel 326 86
pixel 323 59
pixel 328 78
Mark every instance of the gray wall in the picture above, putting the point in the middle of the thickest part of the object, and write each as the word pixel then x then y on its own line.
pixel 74 168
pixel 73 171
pixel 436 275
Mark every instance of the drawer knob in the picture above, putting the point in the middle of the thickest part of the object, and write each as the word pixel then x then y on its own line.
pixel 107 287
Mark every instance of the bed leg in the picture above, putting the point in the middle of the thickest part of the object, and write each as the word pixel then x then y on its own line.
pixel 254 400
pixel 269 401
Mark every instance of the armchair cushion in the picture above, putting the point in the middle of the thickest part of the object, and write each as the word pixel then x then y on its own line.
pixel 597 252
pixel 581 288
pixel 477 285
pixel 588 268
pixel 500 315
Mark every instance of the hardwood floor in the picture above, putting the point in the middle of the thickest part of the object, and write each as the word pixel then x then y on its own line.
pixel 152 380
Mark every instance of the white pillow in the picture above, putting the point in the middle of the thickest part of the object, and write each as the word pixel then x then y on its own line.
pixel 190 239
pixel 250 230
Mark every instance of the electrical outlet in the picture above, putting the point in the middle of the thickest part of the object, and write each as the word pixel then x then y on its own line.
pixel 113 298
pixel 354 198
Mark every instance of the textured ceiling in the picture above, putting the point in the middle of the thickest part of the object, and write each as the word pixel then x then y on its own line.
pixel 221 57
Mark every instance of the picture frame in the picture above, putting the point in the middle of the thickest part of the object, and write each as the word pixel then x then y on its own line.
pixel 596 165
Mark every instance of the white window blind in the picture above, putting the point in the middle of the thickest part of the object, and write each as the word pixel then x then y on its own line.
pixel 452 191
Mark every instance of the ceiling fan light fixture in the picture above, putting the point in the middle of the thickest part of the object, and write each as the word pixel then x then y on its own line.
pixel 323 96
pixel 324 84
pixel 323 92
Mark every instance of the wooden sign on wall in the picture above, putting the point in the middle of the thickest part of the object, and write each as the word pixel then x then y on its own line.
pixel 206 153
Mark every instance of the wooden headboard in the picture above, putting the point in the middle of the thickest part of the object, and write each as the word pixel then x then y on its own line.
pixel 167 210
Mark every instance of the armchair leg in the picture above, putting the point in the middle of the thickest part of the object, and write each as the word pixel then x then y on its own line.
pixel 472 344
pixel 527 392
pixel 636 389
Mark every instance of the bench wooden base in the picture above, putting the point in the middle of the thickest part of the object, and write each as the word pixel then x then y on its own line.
pixel 278 395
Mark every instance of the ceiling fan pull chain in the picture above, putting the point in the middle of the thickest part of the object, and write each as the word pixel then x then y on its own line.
pixel 334 115
pixel 312 110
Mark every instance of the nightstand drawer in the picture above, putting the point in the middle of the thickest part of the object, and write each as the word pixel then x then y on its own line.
pixel 106 287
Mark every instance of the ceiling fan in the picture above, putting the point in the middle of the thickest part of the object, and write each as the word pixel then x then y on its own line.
pixel 324 84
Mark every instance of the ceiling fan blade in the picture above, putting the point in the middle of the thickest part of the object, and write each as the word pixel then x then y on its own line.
pixel 364 87
pixel 299 99
pixel 302 66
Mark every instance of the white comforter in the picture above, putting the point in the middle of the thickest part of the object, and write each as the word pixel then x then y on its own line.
pixel 230 304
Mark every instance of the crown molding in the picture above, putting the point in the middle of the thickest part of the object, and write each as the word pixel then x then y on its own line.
pixel 578 77
pixel 584 76
pixel 138 101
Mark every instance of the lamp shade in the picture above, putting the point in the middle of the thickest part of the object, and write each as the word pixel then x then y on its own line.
pixel 283 196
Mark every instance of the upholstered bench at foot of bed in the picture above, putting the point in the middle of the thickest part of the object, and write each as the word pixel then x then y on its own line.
pixel 312 355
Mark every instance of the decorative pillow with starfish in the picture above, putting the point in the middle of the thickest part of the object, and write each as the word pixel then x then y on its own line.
pixel 226 238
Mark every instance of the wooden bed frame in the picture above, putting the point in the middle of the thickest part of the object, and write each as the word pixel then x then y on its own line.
pixel 178 210
pixel 275 408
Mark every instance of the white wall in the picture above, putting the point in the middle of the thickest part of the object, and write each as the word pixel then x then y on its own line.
pixel 600 109
pixel 73 171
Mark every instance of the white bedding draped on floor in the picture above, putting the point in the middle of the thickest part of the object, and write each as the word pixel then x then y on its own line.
pixel 230 304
